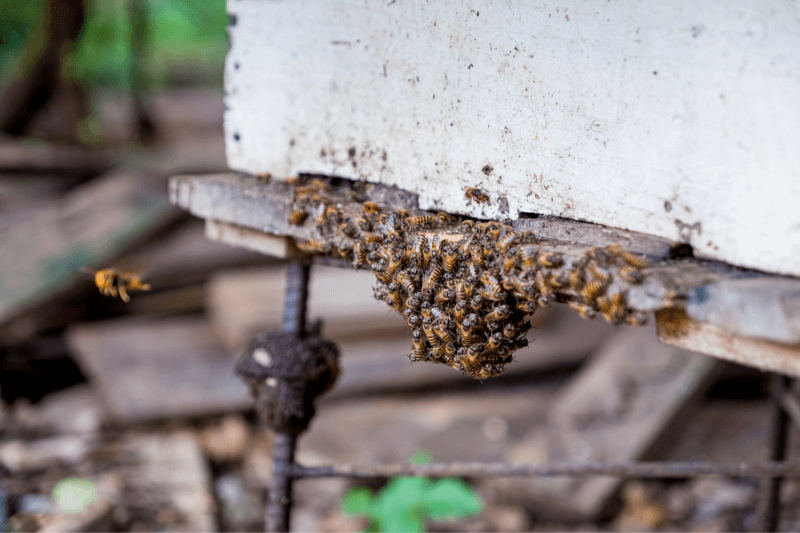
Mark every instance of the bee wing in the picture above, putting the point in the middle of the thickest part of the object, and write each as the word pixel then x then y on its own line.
pixel 87 270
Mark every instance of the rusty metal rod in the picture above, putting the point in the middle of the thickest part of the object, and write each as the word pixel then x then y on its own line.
pixel 665 469
pixel 279 500
pixel 294 310
pixel 778 438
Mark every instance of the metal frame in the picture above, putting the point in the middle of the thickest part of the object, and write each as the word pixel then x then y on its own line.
pixel 285 470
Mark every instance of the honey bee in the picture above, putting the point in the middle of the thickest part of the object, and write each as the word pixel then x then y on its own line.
pixel 427 327
pixel 465 330
pixel 527 306
pixel 551 260
pixel 509 262
pixel 413 321
pixel 632 260
pixel 446 219
pixel 116 282
pixel 501 312
pixel 348 229
pixel 591 291
pixel 600 274
pixel 585 311
pixel 394 264
pixel 405 282
pixel 297 217
pixel 576 278
pixel 632 275
pixel 332 214
pixel 450 259
pixel 506 242
pixel 599 253
pixel 397 299
pixel 313 246
pixel 477 255
pixel 372 238
pixel 495 340
pixel 460 310
pixel 370 208
pixel 559 281
pixel 474 193
pixel 636 318
pixel 421 220
pixel 418 247
pixel 430 282
pixel 542 284
pixel 359 254
pixel 443 333
pixel 476 302
pixel 417 346
pixel 444 296
pixel 491 282
pixel 528 255
pixel 467 225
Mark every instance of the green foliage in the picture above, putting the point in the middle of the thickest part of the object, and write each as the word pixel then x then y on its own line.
pixel 168 41
pixel 405 503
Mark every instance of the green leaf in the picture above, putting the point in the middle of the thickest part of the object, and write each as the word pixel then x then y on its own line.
pixel 357 502
pixel 449 499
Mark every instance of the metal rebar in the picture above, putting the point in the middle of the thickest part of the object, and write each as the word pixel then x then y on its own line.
pixel 294 310
pixel 791 404
pixel 279 501
pixel 625 469
pixel 778 437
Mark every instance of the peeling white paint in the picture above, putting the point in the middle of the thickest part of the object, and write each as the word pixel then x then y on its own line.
pixel 679 119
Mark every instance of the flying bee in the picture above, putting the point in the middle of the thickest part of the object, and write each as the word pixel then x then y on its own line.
pixel 633 260
pixel 509 262
pixel 474 193
pixel 632 275
pixel 370 208
pixel 586 311
pixel 116 282
pixel 297 217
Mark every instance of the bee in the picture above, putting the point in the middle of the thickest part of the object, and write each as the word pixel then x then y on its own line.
pixel 413 321
pixel 297 217
pixel 637 318
pixel 417 346
pixel 467 225
pixel 345 250
pixel 559 281
pixel 509 262
pixel 372 238
pixel 449 259
pixel 417 247
pixel 528 255
pixel 333 214
pixel 370 208
pixel 585 311
pixel 435 245
pixel 421 220
pixel 427 327
pixel 576 278
pixel 397 299
pixel 490 281
pixel 394 264
pixel 599 273
pixel 348 229
pixel 477 255
pixel 506 242
pixel 449 350
pixel 443 333
pixel 551 260
pixel 405 282
pixel 313 246
pixel 116 282
pixel 542 284
pixel 632 260
pixel 632 275
pixel 477 302
pixel 592 290
pixel 494 342
pixel 444 296
pixel 465 330
pixel 359 254
pixel 460 310
pixel 413 302
pixel 527 307
pixel 501 312
pixel 474 193
pixel 446 219
pixel 509 331
pixel 430 282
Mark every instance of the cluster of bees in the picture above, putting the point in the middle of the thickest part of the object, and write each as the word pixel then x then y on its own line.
pixel 464 287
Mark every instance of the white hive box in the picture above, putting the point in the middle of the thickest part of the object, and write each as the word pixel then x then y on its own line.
pixel 677 119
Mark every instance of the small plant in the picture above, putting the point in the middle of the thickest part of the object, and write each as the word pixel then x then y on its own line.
pixel 405 503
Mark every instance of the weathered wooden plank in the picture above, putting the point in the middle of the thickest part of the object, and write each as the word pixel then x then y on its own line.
pixel 675 327
pixel 767 308
pixel 158 369
pixel 669 119
pixel 615 409
pixel 251 239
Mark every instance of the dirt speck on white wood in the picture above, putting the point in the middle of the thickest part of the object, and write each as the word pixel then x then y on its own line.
pixel 675 120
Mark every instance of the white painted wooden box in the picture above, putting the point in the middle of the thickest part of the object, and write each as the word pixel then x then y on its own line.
pixel 679 119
